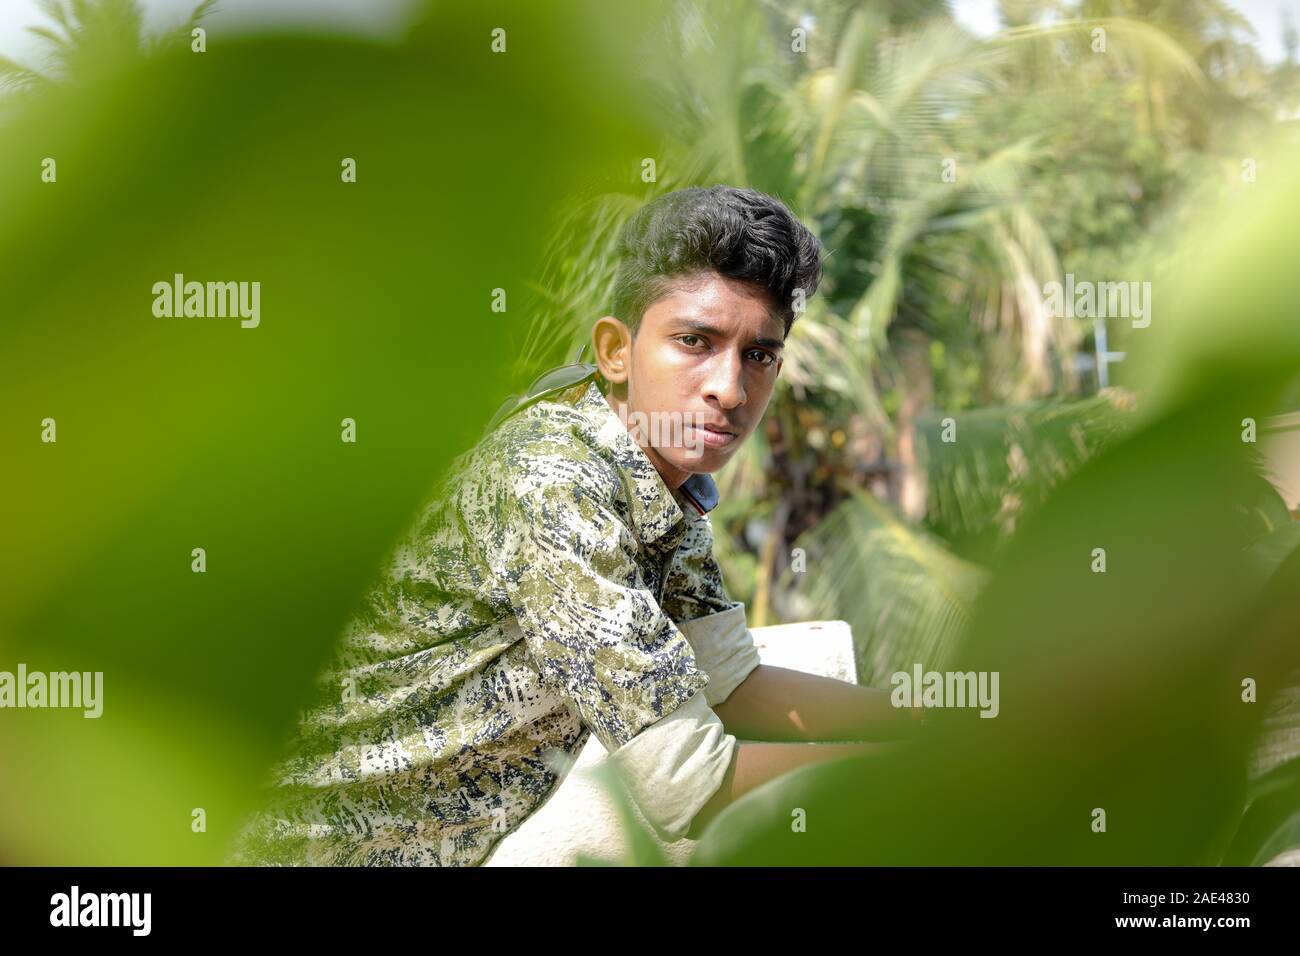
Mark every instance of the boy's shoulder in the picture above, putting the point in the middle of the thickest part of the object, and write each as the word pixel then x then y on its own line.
pixel 562 439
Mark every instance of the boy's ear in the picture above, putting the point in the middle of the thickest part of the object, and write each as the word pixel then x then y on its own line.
pixel 612 341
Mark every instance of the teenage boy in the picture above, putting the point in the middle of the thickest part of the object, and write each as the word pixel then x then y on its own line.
pixel 562 583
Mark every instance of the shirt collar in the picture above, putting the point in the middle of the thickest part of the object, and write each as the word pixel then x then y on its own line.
pixel 656 510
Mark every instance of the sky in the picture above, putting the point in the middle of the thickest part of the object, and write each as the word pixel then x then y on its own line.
pixel 981 16
pixel 387 18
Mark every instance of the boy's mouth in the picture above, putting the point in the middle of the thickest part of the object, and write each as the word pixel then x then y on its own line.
pixel 715 436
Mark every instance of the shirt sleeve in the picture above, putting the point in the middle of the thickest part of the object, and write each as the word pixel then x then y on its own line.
pixel 591 625
pixel 724 649
pixel 675 765
pixel 716 627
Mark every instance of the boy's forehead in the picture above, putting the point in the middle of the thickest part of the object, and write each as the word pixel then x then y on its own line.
pixel 723 304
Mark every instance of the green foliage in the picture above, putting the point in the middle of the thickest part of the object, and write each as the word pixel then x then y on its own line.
pixel 1001 462
pixel 181 433
pixel 1064 160
pixel 1120 689
pixel 906 596
pixel 950 178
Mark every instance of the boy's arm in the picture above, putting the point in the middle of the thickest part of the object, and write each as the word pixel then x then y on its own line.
pixel 759 701
pixel 763 702
pixel 779 704
pixel 682 770
pixel 568 563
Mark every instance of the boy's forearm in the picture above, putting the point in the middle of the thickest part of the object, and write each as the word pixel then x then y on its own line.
pixel 784 705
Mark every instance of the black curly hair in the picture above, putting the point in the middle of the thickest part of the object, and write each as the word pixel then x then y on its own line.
pixel 739 233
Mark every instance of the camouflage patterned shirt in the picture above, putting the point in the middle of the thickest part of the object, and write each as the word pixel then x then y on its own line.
pixel 535 601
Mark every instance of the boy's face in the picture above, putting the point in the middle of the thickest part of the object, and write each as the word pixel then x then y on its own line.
pixel 694 382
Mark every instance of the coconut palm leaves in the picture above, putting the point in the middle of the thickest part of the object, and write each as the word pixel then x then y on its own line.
pixel 869 126
pixel 907 597
pixel 985 467
pixel 89 39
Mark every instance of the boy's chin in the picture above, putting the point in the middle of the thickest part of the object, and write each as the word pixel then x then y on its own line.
pixel 705 463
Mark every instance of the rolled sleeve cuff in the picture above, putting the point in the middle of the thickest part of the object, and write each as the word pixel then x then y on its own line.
pixel 724 649
pixel 672 767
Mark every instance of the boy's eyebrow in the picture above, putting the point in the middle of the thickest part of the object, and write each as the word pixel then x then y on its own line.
pixel 705 329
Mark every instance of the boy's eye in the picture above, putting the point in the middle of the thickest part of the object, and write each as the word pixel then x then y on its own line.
pixel 763 357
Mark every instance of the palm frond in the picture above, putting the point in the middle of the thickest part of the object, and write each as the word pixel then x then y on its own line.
pixel 1003 461
pixel 55 40
pixel 58 12
pixel 206 8
pixel 13 75
pixel 907 598
pixel 1131 41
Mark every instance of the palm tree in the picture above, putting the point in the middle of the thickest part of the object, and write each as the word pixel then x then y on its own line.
pixel 91 38
pixel 856 136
